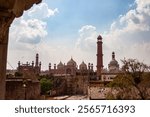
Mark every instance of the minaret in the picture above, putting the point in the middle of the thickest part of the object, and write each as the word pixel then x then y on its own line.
pixel 92 66
pixel 37 60
pixel 55 66
pixel 99 56
pixel 18 63
pixel 49 66
pixel 40 66
pixel 18 66
pixel 89 66
pixel 32 63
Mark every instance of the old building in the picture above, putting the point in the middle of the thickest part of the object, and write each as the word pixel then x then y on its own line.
pixel 112 71
pixel 19 88
pixel 24 84
pixel 71 68
pixel 74 79
pixel 28 69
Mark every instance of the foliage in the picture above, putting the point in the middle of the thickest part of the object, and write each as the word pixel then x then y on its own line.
pixel 133 82
pixel 18 74
pixel 46 85
pixel 50 77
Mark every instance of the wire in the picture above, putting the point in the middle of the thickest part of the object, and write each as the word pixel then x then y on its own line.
pixel 10 65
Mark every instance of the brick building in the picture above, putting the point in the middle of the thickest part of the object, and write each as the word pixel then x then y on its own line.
pixel 71 68
pixel 24 85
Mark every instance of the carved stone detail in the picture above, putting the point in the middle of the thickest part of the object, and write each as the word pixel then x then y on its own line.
pixel 5 22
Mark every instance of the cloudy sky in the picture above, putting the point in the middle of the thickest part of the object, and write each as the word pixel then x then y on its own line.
pixel 61 29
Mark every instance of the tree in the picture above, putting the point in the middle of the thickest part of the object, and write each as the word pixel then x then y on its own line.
pixel 133 82
pixel 46 85
pixel 18 74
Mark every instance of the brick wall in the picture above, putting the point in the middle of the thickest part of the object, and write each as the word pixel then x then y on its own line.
pixel 16 91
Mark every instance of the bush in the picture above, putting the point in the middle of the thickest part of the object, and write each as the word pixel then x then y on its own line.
pixel 46 85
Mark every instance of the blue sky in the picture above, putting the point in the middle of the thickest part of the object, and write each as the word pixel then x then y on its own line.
pixel 74 14
pixel 59 29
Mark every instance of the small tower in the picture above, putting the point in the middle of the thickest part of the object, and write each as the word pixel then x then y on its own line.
pixel 27 63
pixel 55 66
pixel 37 60
pixel 89 66
pixel 18 63
pixel 99 56
pixel 92 66
pixel 113 65
pixel 32 63
pixel 40 66
pixel 49 66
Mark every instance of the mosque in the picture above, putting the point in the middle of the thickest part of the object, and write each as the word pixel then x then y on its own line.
pixel 72 69
pixel 70 78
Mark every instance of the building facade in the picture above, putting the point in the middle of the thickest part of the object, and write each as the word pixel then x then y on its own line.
pixel 24 84
pixel 70 69
pixel 113 67
pixel 30 69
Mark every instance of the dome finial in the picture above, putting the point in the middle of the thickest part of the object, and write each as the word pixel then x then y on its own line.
pixel 113 55
pixel 99 38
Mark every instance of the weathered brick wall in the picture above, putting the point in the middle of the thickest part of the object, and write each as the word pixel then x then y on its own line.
pixel 71 86
pixel 15 90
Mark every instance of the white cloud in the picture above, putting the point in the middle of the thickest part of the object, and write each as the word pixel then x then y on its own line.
pixel 42 11
pixel 129 35
pixel 87 38
pixel 27 33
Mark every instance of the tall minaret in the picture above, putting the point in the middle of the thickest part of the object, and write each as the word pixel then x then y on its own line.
pixel 99 56
pixel 37 60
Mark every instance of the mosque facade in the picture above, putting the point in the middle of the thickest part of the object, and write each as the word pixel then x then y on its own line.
pixel 71 68
pixel 70 78
pixel 113 70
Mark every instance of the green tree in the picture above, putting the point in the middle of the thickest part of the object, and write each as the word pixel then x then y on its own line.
pixel 46 85
pixel 18 74
pixel 133 82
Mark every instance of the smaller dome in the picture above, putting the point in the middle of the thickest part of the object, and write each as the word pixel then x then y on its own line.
pixel 71 62
pixel 113 63
pixel 83 66
pixel 60 65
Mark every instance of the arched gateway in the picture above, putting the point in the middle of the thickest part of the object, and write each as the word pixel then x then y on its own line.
pixel 9 10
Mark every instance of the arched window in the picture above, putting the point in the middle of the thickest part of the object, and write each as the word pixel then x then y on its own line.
pixel 68 71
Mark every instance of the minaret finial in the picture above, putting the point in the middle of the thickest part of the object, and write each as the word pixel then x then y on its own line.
pixel 113 55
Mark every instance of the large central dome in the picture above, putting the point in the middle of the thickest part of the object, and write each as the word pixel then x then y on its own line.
pixel 71 62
